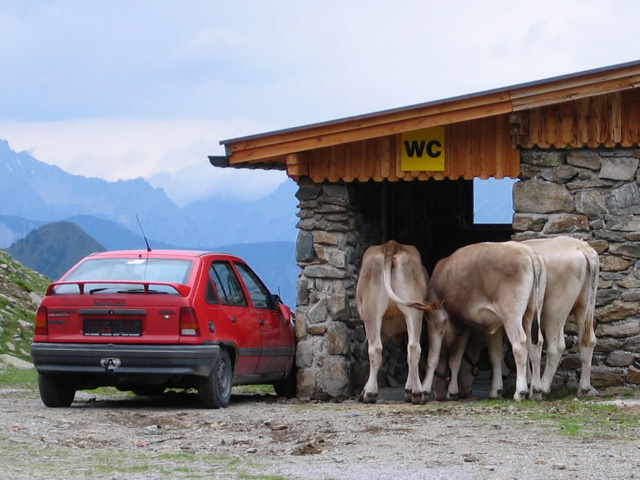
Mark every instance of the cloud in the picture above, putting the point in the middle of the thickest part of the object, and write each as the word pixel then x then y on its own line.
pixel 147 89
pixel 174 153
pixel 198 181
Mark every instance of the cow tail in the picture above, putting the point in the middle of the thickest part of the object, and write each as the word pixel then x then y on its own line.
pixel 538 294
pixel 390 249
pixel 593 265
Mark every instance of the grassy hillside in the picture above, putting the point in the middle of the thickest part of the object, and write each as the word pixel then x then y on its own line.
pixel 54 248
pixel 21 290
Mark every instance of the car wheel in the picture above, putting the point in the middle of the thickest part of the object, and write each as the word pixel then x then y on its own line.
pixel 289 386
pixel 149 391
pixel 215 390
pixel 55 391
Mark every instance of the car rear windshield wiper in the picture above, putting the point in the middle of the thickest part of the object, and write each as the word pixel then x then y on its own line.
pixel 96 290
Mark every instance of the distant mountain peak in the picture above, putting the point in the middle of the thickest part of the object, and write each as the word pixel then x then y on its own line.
pixel 54 247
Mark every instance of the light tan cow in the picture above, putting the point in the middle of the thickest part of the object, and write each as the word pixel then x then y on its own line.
pixel 572 281
pixel 487 287
pixel 387 269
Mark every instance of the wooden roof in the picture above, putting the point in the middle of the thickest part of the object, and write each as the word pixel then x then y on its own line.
pixel 483 130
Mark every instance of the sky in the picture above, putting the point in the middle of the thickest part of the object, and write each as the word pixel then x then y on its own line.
pixel 148 88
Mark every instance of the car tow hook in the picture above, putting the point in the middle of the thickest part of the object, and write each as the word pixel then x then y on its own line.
pixel 110 365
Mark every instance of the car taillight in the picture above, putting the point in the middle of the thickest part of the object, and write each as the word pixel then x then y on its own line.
pixel 41 322
pixel 188 322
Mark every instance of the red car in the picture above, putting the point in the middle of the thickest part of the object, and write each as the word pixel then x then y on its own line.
pixel 146 321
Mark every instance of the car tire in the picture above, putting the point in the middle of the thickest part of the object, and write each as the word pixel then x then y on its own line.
pixel 215 390
pixel 289 386
pixel 55 391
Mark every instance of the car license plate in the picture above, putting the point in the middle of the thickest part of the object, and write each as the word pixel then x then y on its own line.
pixel 112 327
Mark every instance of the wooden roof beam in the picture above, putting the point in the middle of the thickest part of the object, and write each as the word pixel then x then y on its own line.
pixel 340 137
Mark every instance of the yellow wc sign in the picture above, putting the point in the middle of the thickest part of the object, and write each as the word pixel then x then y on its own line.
pixel 423 150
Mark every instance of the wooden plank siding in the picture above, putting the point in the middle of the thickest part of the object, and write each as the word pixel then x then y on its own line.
pixel 608 120
pixel 476 148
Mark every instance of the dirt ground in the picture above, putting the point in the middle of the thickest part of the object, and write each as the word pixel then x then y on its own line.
pixel 261 437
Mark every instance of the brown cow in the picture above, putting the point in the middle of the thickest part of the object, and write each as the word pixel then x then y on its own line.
pixel 572 281
pixel 486 287
pixel 387 269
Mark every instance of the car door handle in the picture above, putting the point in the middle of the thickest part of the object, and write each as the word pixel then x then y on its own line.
pixel 261 322
pixel 234 319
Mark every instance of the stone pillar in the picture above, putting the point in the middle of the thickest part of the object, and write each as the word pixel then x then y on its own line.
pixel 593 195
pixel 328 331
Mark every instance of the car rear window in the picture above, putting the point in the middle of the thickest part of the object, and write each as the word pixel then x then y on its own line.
pixel 168 270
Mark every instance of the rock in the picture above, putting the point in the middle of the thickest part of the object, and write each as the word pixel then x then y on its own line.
pixel 633 376
pixel 333 379
pixel 606 378
pixel 534 196
pixel 323 271
pixel 529 222
pixel 567 223
pixel 304 353
pixel 629 223
pixel 543 158
pixel 628 249
pixel 11 361
pixel 623 197
pixel 584 159
pixel 619 168
pixel 590 203
pixel 325 238
pixel 337 339
pixel 612 263
pixel 619 329
pixel 619 359
pixel 617 311
pixel 304 247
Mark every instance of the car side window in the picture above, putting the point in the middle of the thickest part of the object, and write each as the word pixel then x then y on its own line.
pixel 227 284
pixel 211 296
pixel 259 293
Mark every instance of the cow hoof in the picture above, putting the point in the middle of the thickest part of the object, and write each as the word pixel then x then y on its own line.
pixel 418 398
pixel 408 396
pixel 536 396
pixel 587 392
pixel 497 396
pixel 369 397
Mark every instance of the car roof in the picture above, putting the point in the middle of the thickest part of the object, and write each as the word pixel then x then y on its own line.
pixel 164 253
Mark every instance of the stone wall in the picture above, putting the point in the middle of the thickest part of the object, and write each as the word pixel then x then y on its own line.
pixel 331 339
pixel 593 195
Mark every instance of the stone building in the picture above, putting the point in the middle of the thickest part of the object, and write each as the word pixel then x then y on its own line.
pixel 407 174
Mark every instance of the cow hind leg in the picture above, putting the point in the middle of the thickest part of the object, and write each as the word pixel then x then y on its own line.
pixel 370 391
pixel 455 361
pixel 413 387
pixel 494 345
pixel 555 346
pixel 587 342
pixel 518 340
pixel 373 328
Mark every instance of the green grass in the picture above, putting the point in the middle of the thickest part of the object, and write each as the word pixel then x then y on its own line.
pixel 568 417
pixel 254 389
pixel 18 378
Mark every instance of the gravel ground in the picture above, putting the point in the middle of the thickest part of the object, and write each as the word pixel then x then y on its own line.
pixel 261 437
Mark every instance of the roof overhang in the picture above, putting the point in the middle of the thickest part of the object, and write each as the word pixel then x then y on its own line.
pixel 270 150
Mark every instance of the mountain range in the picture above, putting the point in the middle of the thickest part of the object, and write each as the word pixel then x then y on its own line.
pixel 34 194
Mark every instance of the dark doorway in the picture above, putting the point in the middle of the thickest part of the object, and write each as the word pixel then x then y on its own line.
pixel 435 215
